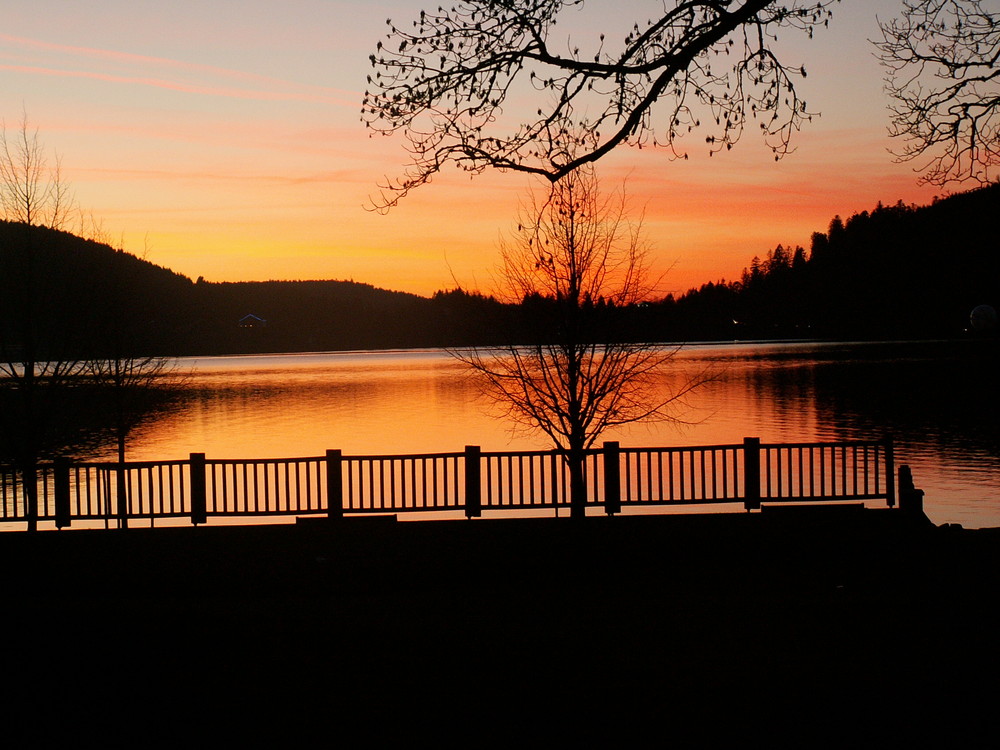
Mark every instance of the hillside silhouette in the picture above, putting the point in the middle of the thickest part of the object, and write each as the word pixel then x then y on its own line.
pixel 330 315
pixel 894 271
pixel 73 292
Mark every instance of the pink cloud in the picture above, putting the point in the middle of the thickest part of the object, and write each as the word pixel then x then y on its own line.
pixel 269 89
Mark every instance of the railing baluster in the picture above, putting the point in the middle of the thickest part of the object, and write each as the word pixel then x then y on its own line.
pixel 701 462
pixel 671 494
pixel 681 477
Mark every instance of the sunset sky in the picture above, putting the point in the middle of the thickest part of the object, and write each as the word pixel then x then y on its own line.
pixel 223 139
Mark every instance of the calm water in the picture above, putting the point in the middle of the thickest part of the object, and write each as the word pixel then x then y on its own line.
pixel 939 400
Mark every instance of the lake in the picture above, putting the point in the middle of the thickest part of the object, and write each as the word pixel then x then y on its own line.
pixel 938 399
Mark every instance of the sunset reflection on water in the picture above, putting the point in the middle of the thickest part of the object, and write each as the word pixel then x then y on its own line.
pixel 398 402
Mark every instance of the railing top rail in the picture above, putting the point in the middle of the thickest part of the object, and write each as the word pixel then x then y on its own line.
pixel 136 464
pixel 682 448
pixel 543 452
pixel 829 444
pixel 105 464
pixel 623 449
pixel 402 456
pixel 292 460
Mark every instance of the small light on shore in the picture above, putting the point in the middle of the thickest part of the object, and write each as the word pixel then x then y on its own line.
pixel 983 318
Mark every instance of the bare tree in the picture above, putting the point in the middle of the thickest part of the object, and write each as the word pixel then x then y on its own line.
pixel 445 83
pixel 134 381
pixel 33 365
pixel 31 191
pixel 133 385
pixel 943 62
pixel 577 265
pixel 63 330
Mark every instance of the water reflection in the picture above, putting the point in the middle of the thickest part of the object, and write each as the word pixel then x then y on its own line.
pixel 939 400
pixel 257 407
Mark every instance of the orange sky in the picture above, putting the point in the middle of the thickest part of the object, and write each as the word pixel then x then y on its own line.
pixel 224 140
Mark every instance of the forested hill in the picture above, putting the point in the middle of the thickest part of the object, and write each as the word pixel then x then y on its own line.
pixel 80 298
pixel 896 271
pixel 62 296
pixel 899 271
pixel 279 316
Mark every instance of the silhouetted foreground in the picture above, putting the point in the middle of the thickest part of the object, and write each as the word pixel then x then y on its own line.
pixel 819 620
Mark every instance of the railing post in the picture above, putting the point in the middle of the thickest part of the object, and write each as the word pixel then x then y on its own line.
pixel 199 501
pixel 103 474
pixel 60 468
pixel 751 473
pixel 334 484
pixel 473 491
pixel 911 500
pixel 29 490
pixel 612 477
pixel 121 495
pixel 890 472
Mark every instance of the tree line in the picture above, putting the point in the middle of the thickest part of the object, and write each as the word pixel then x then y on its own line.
pixel 894 271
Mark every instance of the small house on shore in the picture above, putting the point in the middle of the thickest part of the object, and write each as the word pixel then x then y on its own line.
pixel 252 321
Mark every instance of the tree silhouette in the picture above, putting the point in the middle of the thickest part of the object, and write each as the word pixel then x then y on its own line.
pixel 71 318
pixel 579 266
pixel 36 357
pixel 896 271
pixel 132 385
pixel 129 381
pixel 944 79
pixel 32 191
pixel 446 80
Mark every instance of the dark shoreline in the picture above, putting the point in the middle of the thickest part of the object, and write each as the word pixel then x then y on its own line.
pixel 450 626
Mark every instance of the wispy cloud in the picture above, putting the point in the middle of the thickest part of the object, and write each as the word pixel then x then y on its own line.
pixel 250 179
pixel 160 72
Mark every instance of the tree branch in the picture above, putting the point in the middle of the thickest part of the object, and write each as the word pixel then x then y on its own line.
pixel 445 84
pixel 942 75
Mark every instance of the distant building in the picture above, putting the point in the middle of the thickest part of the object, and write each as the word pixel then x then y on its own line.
pixel 252 321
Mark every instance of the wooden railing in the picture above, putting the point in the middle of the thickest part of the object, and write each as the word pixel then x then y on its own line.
pixel 468 482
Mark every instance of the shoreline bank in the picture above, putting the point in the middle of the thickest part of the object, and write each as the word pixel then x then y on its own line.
pixel 449 627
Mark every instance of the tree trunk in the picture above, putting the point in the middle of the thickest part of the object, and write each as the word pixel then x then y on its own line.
pixel 29 489
pixel 120 487
pixel 577 483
